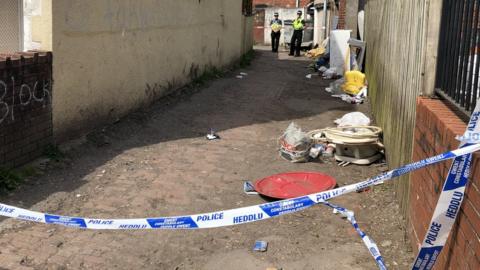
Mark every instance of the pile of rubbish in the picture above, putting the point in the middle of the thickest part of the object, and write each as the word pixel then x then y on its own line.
pixel 315 53
pixel 353 141
pixel 351 89
pixel 343 62
pixel 295 144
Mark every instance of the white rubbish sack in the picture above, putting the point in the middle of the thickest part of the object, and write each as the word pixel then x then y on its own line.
pixel 353 119
pixel 330 73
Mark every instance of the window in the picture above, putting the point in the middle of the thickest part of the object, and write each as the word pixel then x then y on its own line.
pixel 11 39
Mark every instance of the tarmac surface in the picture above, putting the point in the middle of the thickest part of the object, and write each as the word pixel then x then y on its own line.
pixel 157 162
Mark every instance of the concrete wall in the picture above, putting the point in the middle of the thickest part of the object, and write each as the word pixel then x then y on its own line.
pixel 319 26
pixel 112 56
pixel 248 40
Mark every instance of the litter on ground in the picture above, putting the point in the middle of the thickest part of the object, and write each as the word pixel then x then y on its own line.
pixel 260 246
pixel 353 119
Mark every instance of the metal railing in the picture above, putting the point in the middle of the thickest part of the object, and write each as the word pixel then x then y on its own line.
pixel 458 66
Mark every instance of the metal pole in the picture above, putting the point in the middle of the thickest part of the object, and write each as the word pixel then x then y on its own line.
pixel 21 27
pixel 325 9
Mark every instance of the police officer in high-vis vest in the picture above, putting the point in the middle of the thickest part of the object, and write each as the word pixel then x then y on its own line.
pixel 276 26
pixel 297 37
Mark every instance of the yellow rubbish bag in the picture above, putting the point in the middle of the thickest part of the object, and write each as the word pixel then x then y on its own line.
pixel 354 82
pixel 276 27
pixel 314 53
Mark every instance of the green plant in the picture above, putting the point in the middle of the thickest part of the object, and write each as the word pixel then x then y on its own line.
pixel 247 58
pixel 207 75
pixel 9 179
pixel 54 153
pixel 28 171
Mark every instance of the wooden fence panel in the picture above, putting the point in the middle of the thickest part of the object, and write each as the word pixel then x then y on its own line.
pixel 395 33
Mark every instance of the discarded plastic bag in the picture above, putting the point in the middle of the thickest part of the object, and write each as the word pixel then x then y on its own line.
pixel 295 144
pixel 322 69
pixel 363 93
pixel 330 73
pixel 295 136
pixel 336 86
pixel 353 119
pixel 316 150
pixel 350 99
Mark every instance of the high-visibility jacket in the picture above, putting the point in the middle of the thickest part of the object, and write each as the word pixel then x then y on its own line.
pixel 298 24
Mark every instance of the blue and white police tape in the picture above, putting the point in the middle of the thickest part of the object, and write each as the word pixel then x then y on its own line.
pixel 369 243
pixel 450 200
pixel 227 217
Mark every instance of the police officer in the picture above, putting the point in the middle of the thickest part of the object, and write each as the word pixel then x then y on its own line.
pixel 297 37
pixel 276 26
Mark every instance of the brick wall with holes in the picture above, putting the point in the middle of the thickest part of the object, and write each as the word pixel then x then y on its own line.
pixel 437 125
pixel 342 14
pixel 25 107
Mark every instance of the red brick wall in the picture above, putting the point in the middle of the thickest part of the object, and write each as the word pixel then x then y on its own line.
pixel 280 3
pixel 437 125
pixel 342 14
pixel 25 107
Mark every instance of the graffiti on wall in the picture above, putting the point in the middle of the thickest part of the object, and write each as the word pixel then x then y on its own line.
pixel 38 92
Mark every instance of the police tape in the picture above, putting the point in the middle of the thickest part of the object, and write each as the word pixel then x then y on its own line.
pixel 450 200
pixel 369 243
pixel 228 217
pixel 445 213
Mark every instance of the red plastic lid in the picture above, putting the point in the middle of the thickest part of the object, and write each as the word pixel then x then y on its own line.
pixel 294 184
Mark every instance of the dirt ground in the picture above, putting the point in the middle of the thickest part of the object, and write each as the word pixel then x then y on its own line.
pixel 158 163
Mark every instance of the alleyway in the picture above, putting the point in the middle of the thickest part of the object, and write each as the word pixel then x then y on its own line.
pixel 158 163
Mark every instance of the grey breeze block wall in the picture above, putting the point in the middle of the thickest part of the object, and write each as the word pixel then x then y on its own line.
pixel 25 107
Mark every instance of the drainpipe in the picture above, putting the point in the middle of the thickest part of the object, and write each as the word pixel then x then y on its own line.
pixel 325 10
pixel 298 3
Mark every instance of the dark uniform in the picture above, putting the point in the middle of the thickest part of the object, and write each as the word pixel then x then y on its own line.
pixel 275 33
pixel 297 37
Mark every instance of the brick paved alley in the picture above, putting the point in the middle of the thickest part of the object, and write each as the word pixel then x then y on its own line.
pixel 158 163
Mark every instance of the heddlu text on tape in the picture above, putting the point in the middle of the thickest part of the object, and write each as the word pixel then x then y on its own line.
pixel 234 216
pixel 427 256
pixel 450 201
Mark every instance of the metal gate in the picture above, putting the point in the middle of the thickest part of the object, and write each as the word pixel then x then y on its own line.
pixel 458 58
pixel 11 26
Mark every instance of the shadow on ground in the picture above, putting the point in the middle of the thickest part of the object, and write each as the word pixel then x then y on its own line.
pixel 274 90
pixel 156 162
